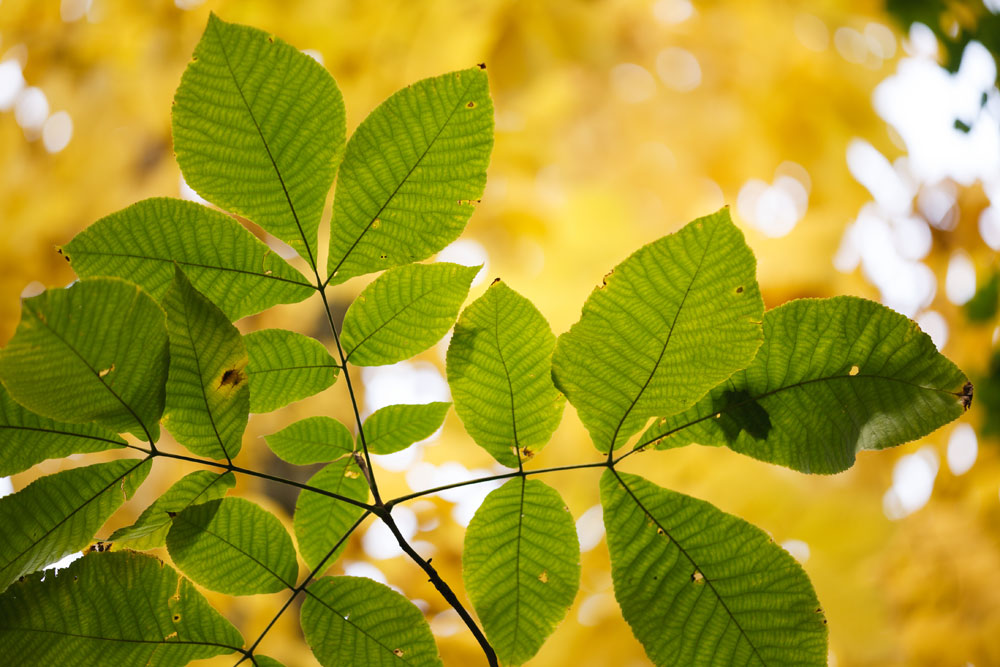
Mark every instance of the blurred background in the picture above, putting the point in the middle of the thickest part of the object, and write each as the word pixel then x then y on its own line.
pixel 857 143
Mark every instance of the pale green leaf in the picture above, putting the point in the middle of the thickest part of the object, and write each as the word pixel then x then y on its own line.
pixel 208 396
pixel 312 440
pixel 500 374
pixel 233 546
pixel 702 587
pixel 358 622
pixel 672 321
pixel 27 438
pixel 396 427
pixel 834 377
pixel 286 367
pixel 265 661
pixel 259 130
pixel 60 513
pixel 405 311
pixel 521 565
pixel 150 529
pixel 321 521
pixel 93 352
pixel 223 260
pixel 412 174
pixel 121 608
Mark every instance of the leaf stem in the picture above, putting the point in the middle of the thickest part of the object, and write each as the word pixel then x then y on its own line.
pixel 301 587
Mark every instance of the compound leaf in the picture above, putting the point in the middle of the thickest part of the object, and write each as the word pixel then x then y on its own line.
pixel 404 311
pixel 93 352
pixel 208 396
pixel 259 130
pixel 412 173
pixel 358 622
pixel 396 427
pixel 286 367
pixel 311 440
pixel 321 521
pixel 111 608
pixel 500 374
pixel 223 260
pixel 521 565
pixel 27 438
pixel 835 376
pixel 150 529
pixel 702 587
pixel 60 513
pixel 233 546
pixel 670 322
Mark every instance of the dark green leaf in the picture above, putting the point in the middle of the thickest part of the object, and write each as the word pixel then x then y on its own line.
pixel 357 622
pixel 93 352
pixel 835 377
pixel 405 311
pixel 672 321
pixel 312 440
pixel 233 546
pixel 120 608
pixel 286 367
pixel 59 514
pixel 982 307
pixel 701 587
pixel 320 521
pixel 150 529
pixel 412 174
pixel 396 427
pixel 521 565
pixel 259 130
pixel 27 438
pixel 500 373
pixel 224 261
pixel 208 396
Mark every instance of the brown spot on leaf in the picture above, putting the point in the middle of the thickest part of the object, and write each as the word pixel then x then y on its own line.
pixel 351 473
pixel 470 105
pixel 527 452
pixel 966 395
pixel 495 281
pixel 177 617
pixel 232 377
pixel 544 577
pixel 739 290
pixel 482 65
pixel 106 371
pixel 398 652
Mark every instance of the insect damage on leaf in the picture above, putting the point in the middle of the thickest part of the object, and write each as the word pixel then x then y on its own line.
pixel 966 395
pixel 232 377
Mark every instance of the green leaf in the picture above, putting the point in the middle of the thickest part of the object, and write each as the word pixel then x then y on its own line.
pixel 500 374
pixel 835 377
pixel 701 587
pixel 312 440
pixel 208 397
pixel 521 565
pixel 93 352
pixel 233 546
pixel 27 438
pixel 259 130
pixel 405 311
pixel 59 514
pixel 120 608
pixel 150 529
pixel 265 661
pixel 672 321
pixel 357 622
pixel 286 367
pixel 222 258
pixel 320 521
pixel 988 393
pixel 413 171
pixel 396 427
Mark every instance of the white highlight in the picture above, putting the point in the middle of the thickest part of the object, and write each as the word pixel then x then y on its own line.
pixel 590 528
pixel 912 483
pixel 963 448
pixel 467 253
pixel 678 69
pixel 632 83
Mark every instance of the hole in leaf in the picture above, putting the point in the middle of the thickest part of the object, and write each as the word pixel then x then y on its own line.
pixel 854 370
pixel 398 652
pixel 177 617
pixel 697 577
pixel 544 577
pixel 106 371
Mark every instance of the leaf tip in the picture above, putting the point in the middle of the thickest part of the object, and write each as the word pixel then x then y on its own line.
pixel 966 395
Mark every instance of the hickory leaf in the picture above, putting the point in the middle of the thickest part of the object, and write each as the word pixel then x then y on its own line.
pixel 286 367
pixel 412 173
pixel 499 371
pixel 312 440
pixel 321 521
pixel 672 321
pixel 119 608
pixel 835 377
pixel 396 427
pixel 223 260
pixel 93 352
pixel 208 396
pixel 259 130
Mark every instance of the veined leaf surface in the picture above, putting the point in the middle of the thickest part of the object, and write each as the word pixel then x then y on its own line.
pixel 396 427
pixel 312 440
pixel 320 521
pixel 412 173
pixel 286 367
pixel 834 377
